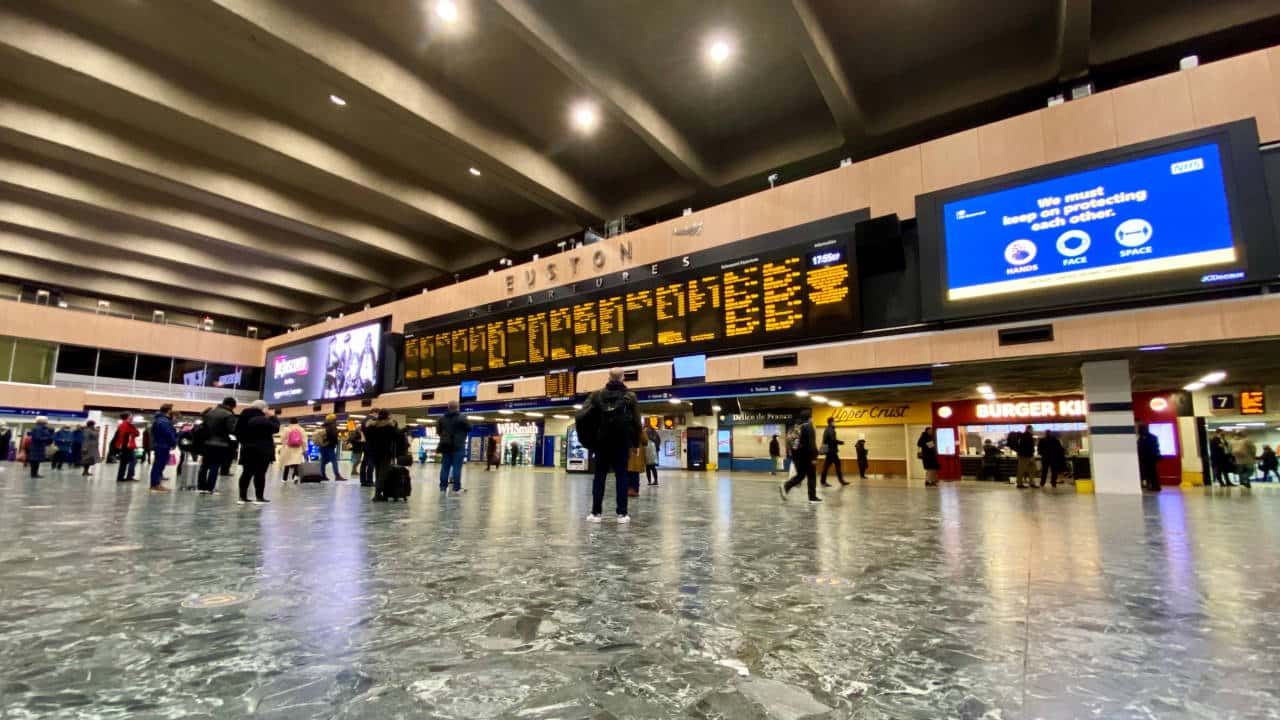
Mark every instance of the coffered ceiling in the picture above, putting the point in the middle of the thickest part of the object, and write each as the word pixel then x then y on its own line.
pixel 188 152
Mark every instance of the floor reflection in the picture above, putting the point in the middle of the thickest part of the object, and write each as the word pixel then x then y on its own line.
pixel 718 601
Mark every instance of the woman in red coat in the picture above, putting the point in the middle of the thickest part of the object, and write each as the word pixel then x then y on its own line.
pixel 126 442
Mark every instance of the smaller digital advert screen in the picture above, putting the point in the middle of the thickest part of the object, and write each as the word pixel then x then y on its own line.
pixel 1160 214
pixel 344 364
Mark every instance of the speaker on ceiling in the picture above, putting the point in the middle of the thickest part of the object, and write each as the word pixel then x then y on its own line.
pixel 392 361
pixel 879 246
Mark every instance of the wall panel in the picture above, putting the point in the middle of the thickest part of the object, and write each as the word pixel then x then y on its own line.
pixel 1079 127
pixel 1011 145
pixel 1234 89
pixel 1153 109
pixel 950 161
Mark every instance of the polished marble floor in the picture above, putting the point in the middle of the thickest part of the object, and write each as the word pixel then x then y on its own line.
pixel 718 601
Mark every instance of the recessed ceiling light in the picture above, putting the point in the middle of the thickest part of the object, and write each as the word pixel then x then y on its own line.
pixel 506 412
pixel 1192 387
pixel 477 418
pixel 475 172
pixel 835 403
pixel 716 408
pixel 562 417
pixel 1216 376
pixel 1153 348
pixel 719 50
pixel 584 116
pixel 533 414
pixel 984 390
pixel 802 393
pixel 577 407
pixel 337 100
pixel 988 396
pixel 674 401
pixel 447 10
pixel 818 399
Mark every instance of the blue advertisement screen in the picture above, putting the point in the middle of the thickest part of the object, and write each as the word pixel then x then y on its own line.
pixel 1157 214
pixel 689 366
pixel 468 389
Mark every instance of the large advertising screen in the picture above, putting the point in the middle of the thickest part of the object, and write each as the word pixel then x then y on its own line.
pixel 342 365
pixel 1169 216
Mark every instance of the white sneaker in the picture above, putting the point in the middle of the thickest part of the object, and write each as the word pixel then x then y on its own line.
pixel 624 519
pixel 593 518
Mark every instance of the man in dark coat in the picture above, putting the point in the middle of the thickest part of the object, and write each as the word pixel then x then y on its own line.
pixel 164 439
pixel 214 443
pixel 1148 459
pixel 614 416
pixel 1053 457
pixel 803 456
pixel 453 429
pixel 256 432
pixel 831 446
pixel 41 440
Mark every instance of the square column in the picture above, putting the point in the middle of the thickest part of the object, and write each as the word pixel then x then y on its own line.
pixel 1113 439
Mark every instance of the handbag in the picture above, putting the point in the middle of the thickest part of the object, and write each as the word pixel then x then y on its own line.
pixel 635 461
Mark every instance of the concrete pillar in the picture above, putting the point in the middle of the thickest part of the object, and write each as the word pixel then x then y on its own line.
pixel 1113 438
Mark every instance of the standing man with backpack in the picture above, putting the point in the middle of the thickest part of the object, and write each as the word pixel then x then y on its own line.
pixel 164 439
pixel 214 439
pixel 804 452
pixel 609 426
pixel 453 429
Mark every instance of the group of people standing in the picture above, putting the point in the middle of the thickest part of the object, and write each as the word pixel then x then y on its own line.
pixel 1236 454
pixel 61 448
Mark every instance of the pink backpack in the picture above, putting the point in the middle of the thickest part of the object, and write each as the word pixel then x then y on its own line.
pixel 295 438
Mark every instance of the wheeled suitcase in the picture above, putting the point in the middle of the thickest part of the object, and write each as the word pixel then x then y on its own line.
pixel 398 484
pixel 310 472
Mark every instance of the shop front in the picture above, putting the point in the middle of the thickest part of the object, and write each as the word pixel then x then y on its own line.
pixel 1160 411
pixel 964 426
pixel 887 430
pixel 519 442
pixel 742 439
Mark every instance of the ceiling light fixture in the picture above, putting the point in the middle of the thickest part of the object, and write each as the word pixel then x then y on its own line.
pixel 477 418
pixel 802 393
pixel 562 417
pixel 337 100
pixel 674 401
pixel 533 414
pixel 989 397
pixel 474 171
pixel 577 407
pixel 817 398
pixel 1153 348
pixel 506 412
pixel 1192 387
pixel 584 116
pixel 716 408
pixel 985 390
pixel 835 403
pixel 447 10
pixel 1216 376
pixel 719 50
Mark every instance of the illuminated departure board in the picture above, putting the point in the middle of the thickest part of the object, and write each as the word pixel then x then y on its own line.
pixel 411 359
pixel 642 331
pixel 766 295
pixel 560 384
pixel 782 294
pixel 538 339
pixel 561 322
pixel 517 341
pixel 458 341
pixel 671 311
pixel 496 334
pixel 741 300
pixel 613 325
pixel 427 357
pixel 477 349
pixel 704 308
pixel 827 284
pixel 586 330
pixel 444 354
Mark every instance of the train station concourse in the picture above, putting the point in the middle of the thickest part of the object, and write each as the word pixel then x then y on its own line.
pixel 772 360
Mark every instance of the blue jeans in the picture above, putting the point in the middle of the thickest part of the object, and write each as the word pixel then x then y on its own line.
pixel 128 458
pixel 329 456
pixel 157 469
pixel 451 464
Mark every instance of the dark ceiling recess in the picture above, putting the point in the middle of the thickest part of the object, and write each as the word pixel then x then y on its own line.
pixel 199 139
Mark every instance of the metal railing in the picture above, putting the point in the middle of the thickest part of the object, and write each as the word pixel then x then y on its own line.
pixel 144 388
pixel 98 310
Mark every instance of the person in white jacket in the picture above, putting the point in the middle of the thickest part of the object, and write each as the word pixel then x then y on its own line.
pixel 293 443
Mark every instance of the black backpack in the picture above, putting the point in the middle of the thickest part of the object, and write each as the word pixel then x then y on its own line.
pixel 606 417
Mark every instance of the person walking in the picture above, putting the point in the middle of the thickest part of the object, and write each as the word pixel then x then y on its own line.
pixel 77 446
pixel 89 455
pixel 831 446
pixel 860 449
pixel 329 445
pixel 1220 458
pixel 804 453
pixel 775 455
pixel 1024 445
pixel 1246 457
pixel 256 431
pixel 355 443
pixel 292 451
pixel 1148 459
pixel 493 453
pixel 1053 458
pixel 147 445
pixel 126 445
pixel 164 439
pixel 928 452
pixel 1269 464
pixel 453 429
pixel 610 419
pixel 41 437
pixel 62 447
pixel 381 439
pixel 651 442
pixel 213 442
